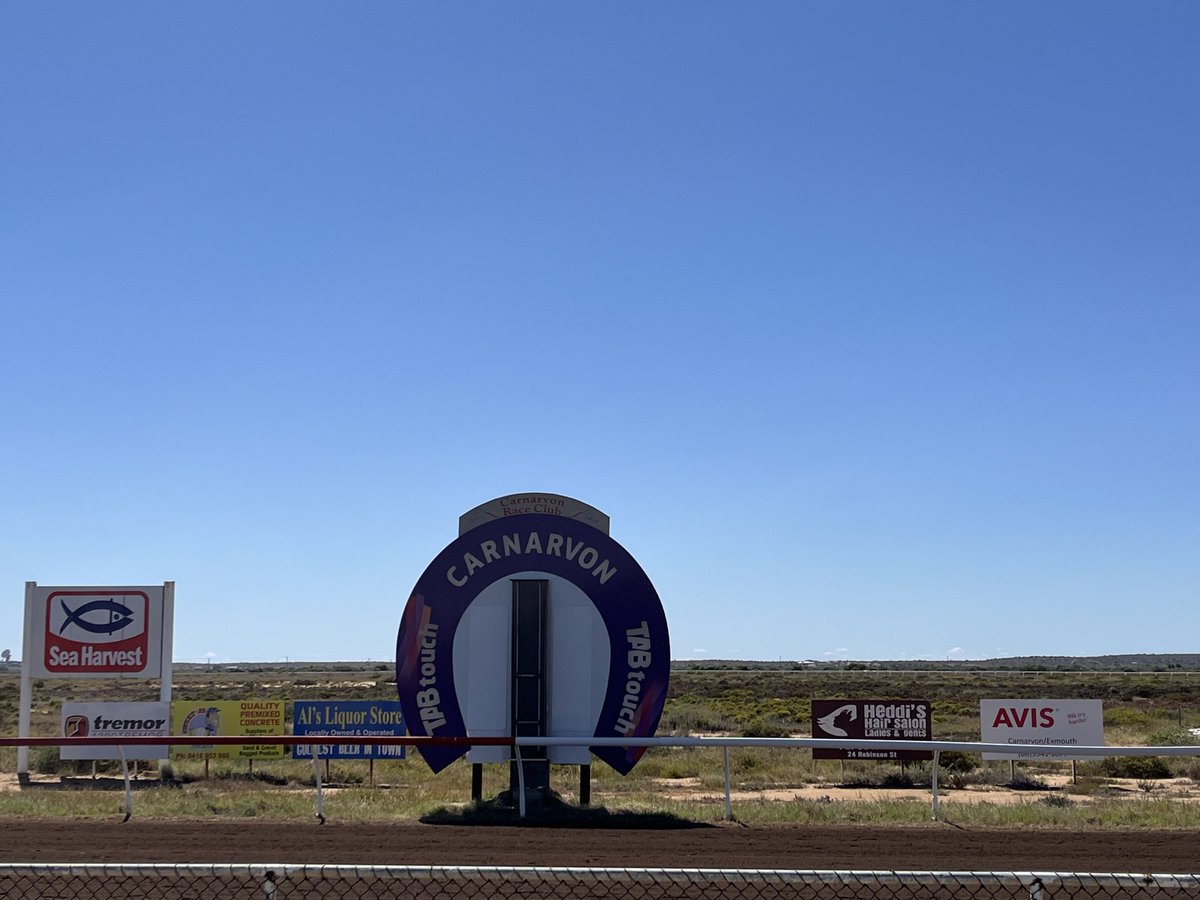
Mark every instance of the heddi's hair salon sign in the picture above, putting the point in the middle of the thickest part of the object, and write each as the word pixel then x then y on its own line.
pixel 606 643
pixel 95 632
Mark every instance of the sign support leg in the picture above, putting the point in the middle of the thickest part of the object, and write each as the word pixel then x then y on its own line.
pixel 23 716
pixel 937 802
pixel 166 669
pixel 728 802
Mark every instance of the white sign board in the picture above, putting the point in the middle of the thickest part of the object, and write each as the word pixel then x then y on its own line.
pixel 95 632
pixel 1058 723
pixel 116 720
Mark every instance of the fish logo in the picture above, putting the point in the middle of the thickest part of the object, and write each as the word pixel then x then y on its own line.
pixel 113 616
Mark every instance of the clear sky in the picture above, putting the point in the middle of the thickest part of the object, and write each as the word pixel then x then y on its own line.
pixel 874 327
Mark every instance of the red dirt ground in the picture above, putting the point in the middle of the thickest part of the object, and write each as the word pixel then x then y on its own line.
pixel 932 847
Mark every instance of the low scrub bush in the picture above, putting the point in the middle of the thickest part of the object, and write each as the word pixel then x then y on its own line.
pixel 1140 767
pixel 694 717
pixel 1171 737
pixel 1126 717
pixel 1057 801
pixel 897 780
pixel 763 726
pixel 744 762
pixel 956 762
pixel 47 761
pixel 1085 786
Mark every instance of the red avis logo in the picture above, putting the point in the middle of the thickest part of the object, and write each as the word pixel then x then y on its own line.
pixel 1024 717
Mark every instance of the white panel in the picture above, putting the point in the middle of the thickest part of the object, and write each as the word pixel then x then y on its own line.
pixel 95 632
pixel 578 669
pixel 482 650
pixel 576 676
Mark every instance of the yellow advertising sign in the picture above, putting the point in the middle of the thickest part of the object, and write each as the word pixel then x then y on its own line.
pixel 209 718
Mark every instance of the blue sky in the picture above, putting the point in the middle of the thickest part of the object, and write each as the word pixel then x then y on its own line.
pixel 873 327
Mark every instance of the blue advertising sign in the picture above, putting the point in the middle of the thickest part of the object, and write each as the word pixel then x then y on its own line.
pixel 346 720
pixel 638 643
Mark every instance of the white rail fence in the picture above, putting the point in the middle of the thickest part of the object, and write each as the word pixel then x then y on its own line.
pixel 725 743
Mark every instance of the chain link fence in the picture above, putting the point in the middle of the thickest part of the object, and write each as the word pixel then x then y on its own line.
pixel 263 882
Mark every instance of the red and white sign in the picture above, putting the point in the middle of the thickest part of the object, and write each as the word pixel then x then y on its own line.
pixel 115 720
pixel 1051 723
pixel 97 632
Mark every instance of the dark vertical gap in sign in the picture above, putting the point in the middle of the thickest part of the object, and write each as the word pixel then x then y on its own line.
pixel 529 679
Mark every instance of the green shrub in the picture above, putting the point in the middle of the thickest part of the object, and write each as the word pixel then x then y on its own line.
pixel 958 762
pixel 47 761
pixel 762 726
pixel 1171 737
pixel 744 762
pixel 690 716
pixel 1124 717
pixel 1140 767
pixel 896 780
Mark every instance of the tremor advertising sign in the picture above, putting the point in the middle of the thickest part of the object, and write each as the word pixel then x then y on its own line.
pixel 874 720
pixel 115 720
pixel 638 646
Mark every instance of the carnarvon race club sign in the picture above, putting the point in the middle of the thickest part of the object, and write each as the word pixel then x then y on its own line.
pixel 533 622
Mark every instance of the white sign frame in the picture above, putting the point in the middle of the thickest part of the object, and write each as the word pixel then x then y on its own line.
pixel 160 627
pixel 1056 723
pixel 84 610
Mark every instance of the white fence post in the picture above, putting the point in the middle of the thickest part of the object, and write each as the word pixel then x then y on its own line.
pixel 937 802
pixel 128 787
pixel 728 803
pixel 316 758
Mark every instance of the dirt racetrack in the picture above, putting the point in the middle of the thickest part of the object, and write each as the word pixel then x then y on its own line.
pixel 931 847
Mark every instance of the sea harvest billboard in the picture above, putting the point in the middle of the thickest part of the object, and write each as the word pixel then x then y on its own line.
pixel 95 632
pixel 1052 723
pixel 115 720
pixel 233 718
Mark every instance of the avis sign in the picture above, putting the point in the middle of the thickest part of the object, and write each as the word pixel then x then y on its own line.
pixel 1051 723
pixel 95 632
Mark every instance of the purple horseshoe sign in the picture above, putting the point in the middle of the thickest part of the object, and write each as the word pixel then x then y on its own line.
pixel 639 651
